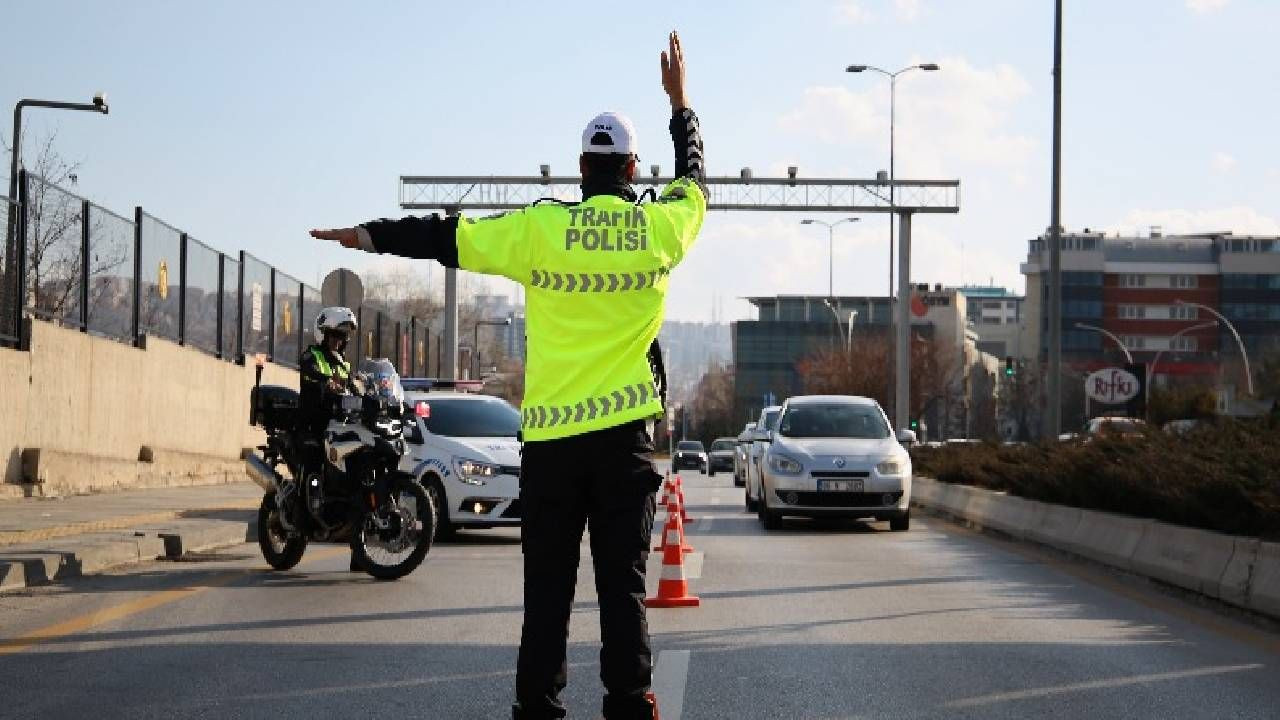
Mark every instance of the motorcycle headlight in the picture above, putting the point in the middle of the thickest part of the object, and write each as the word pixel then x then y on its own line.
pixel 473 472
pixel 784 465
pixel 890 467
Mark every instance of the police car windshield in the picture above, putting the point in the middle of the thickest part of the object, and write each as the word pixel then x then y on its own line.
pixel 834 421
pixel 722 445
pixel 471 416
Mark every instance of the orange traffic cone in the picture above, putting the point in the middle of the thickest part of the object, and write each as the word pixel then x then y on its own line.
pixel 673 588
pixel 668 488
pixel 673 530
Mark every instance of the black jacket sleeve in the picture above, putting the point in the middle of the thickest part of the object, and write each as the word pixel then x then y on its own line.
pixel 424 238
pixel 686 135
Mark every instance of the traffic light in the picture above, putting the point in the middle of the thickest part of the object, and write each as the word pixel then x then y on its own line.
pixel 1008 366
pixel 914 424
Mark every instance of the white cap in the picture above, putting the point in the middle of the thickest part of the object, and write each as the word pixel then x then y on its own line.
pixel 609 132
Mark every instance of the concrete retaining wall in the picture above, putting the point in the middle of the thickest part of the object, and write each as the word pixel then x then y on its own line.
pixel 1241 571
pixel 79 411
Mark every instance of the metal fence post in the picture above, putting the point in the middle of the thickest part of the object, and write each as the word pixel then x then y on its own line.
pixel 413 346
pixel 302 318
pixel 20 286
pixel 271 326
pixel 240 312
pixel 137 278
pixel 377 341
pixel 182 289
pixel 84 266
pixel 222 290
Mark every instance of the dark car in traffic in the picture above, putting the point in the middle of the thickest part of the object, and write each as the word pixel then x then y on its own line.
pixel 689 454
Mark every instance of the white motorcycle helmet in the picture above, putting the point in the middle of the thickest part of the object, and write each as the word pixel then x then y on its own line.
pixel 335 318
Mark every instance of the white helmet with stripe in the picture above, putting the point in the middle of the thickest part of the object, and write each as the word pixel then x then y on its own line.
pixel 335 318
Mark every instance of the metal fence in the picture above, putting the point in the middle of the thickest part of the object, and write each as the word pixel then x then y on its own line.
pixel 69 261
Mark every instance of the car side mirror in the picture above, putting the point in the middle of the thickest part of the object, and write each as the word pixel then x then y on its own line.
pixel 907 437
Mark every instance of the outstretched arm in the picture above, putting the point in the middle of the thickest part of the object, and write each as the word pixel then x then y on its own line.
pixel 425 238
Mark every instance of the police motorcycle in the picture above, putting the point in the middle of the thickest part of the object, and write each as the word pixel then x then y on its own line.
pixel 345 487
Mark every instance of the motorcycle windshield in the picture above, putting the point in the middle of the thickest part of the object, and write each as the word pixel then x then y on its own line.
pixel 384 379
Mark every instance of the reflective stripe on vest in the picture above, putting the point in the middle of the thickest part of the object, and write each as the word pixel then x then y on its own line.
pixel 549 416
pixel 595 282
pixel 327 370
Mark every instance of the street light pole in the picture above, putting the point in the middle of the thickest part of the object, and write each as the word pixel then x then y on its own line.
pixel 1248 374
pixel 1128 356
pixel 98 105
pixel 893 102
pixel 831 252
pixel 1155 362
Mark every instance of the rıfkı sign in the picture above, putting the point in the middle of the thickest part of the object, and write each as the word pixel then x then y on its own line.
pixel 1112 386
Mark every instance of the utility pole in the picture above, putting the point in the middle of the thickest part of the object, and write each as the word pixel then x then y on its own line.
pixel 1053 425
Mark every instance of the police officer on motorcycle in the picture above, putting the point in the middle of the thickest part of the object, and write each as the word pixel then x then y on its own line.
pixel 325 378
pixel 596 274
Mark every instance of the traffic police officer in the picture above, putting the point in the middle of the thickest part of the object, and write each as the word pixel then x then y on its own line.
pixel 596 276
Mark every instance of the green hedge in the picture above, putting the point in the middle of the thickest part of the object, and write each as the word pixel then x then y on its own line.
pixel 1225 477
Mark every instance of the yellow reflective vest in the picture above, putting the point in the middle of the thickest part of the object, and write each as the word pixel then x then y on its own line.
pixel 595 276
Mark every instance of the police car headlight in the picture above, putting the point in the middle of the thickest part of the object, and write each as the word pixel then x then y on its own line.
pixel 473 472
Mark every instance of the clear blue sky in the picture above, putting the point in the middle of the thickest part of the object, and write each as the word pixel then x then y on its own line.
pixel 248 123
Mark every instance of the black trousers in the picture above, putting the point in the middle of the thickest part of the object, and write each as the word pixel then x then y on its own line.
pixel 604 481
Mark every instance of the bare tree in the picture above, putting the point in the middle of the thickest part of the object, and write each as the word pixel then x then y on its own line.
pixel 55 259
pixel 712 409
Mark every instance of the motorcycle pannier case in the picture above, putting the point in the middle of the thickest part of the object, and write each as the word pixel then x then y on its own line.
pixel 275 407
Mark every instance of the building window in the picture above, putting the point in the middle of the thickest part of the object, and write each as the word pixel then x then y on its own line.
pixel 1081 278
pixel 1184 312
pixel 1082 308
pixel 1134 342
pixel 1183 343
pixel 1132 312
pixel 1184 281
pixel 1133 281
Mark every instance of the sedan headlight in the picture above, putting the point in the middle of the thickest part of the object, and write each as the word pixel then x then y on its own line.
pixel 474 472
pixel 890 467
pixel 784 465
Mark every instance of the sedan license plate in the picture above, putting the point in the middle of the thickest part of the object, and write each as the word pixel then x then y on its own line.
pixel 839 486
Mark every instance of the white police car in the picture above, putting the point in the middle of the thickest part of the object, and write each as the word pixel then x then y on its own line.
pixel 463 449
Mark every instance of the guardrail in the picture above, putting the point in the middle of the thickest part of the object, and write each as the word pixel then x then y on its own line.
pixel 70 261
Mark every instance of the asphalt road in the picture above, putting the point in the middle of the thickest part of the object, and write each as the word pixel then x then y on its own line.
pixel 832 620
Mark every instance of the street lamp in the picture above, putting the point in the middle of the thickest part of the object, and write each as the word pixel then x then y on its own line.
pixel 1248 375
pixel 893 92
pixel 1180 333
pixel 831 253
pixel 1128 356
pixel 476 339
pixel 99 104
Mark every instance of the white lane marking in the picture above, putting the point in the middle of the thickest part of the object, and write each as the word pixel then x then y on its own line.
pixel 1099 684
pixel 670 676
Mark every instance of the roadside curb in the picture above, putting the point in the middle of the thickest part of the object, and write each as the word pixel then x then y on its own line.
pixel 1240 571
pixel 36 564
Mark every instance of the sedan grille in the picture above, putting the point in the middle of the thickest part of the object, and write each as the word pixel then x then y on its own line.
pixel 839 499
pixel 829 474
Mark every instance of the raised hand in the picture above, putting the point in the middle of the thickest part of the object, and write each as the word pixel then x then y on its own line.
pixel 347 237
pixel 673 72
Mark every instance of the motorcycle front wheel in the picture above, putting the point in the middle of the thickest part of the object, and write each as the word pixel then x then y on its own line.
pixel 279 550
pixel 394 541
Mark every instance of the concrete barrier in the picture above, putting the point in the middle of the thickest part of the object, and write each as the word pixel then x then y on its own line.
pixel 1241 571
pixel 1053 525
pixel 924 490
pixel 1264 590
pixel 78 406
pixel 1107 538
pixel 1237 577
pixel 1185 557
